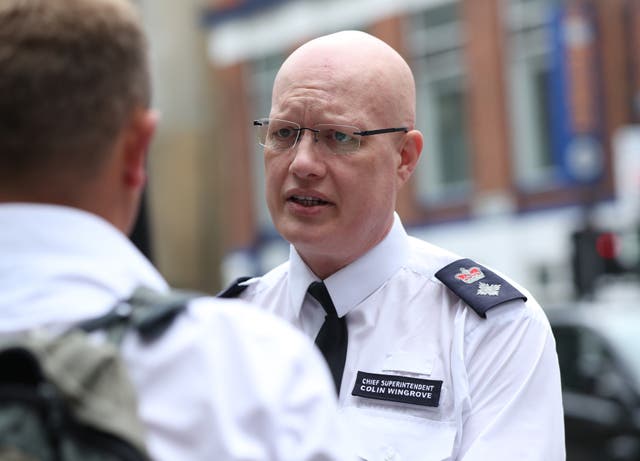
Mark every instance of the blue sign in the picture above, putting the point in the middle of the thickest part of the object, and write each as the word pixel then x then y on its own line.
pixel 577 151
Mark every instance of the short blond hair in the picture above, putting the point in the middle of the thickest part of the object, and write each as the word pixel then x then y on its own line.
pixel 71 74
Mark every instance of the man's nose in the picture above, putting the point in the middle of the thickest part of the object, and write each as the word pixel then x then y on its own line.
pixel 307 159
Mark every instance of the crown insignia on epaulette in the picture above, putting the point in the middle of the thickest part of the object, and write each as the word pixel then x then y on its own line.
pixel 470 275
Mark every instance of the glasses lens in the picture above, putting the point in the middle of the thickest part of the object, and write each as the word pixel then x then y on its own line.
pixel 277 134
pixel 339 139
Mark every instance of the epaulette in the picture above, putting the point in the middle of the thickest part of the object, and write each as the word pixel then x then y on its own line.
pixel 477 286
pixel 235 289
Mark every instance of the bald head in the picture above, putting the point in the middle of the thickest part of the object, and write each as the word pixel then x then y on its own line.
pixel 361 67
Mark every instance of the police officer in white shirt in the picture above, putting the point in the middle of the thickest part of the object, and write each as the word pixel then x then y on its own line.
pixel 226 381
pixel 435 357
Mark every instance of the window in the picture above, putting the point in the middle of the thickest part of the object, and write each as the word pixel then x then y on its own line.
pixel 529 74
pixel 443 173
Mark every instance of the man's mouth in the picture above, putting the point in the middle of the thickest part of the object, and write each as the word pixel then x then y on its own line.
pixel 307 201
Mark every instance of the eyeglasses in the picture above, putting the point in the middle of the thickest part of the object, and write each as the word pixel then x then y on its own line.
pixel 281 135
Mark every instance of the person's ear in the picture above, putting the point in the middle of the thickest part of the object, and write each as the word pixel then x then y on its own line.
pixel 409 155
pixel 136 145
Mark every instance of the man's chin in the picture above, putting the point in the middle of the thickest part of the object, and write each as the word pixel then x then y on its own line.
pixel 303 235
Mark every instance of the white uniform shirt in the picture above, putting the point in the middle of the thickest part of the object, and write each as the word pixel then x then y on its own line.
pixel 225 382
pixel 500 396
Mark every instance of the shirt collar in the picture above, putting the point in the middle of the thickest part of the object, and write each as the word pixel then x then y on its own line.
pixel 300 277
pixel 64 252
pixel 352 284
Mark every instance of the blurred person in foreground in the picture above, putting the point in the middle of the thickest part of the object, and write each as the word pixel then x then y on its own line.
pixel 434 357
pixel 226 381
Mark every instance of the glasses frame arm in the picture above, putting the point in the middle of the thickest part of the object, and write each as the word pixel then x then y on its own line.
pixel 381 131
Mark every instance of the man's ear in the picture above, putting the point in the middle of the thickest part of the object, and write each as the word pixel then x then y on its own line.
pixel 136 145
pixel 409 155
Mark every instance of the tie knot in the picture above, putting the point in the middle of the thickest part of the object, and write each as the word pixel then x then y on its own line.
pixel 319 291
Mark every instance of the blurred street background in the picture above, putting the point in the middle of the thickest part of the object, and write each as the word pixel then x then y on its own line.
pixel 530 111
pixel 531 115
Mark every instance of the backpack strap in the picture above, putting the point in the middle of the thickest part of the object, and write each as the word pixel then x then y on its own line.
pixel 235 289
pixel 150 312
pixel 20 366
pixel 477 286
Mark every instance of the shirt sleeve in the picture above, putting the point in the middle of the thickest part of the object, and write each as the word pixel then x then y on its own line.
pixel 515 401
pixel 231 382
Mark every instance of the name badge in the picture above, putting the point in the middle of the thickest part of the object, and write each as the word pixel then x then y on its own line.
pixel 425 392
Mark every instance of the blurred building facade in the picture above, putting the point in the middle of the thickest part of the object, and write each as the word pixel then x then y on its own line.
pixel 520 103
pixel 181 231
pixel 523 104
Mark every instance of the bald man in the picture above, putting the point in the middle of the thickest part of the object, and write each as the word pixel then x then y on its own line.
pixel 434 356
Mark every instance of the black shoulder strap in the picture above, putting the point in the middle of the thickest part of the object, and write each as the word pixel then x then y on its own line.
pixel 477 286
pixel 19 365
pixel 235 289
pixel 150 312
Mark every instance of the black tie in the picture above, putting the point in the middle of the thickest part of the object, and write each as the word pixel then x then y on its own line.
pixel 332 337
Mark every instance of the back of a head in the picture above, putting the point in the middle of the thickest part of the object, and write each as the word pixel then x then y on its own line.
pixel 71 73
